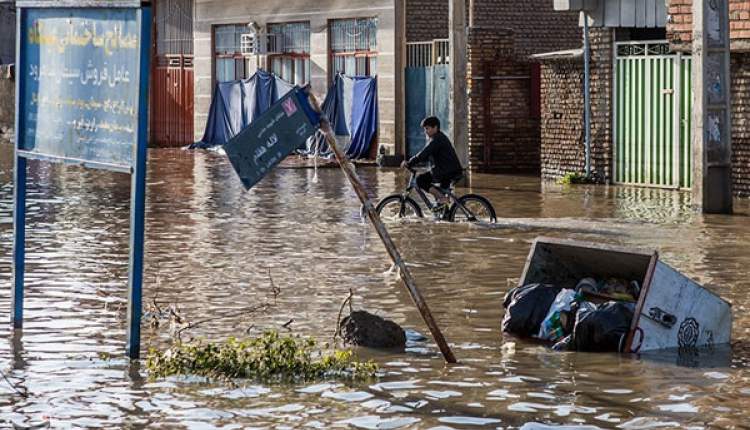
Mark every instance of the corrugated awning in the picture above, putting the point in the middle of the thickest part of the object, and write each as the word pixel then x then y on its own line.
pixel 619 13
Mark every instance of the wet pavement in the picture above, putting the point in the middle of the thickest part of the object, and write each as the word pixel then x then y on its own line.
pixel 211 248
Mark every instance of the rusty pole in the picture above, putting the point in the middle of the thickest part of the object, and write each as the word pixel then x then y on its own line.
pixel 393 252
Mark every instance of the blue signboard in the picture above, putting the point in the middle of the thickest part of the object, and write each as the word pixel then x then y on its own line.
pixel 80 93
pixel 262 145
pixel 81 97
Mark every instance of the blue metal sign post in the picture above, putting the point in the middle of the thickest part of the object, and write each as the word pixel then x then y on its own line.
pixel 81 98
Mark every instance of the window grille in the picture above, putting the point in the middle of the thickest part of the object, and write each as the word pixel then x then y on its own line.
pixel 289 44
pixel 229 61
pixel 353 45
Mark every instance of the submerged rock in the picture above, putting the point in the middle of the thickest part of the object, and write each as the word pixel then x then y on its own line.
pixel 365 329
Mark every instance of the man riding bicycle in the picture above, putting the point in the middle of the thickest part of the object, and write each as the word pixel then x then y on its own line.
pixel 445 165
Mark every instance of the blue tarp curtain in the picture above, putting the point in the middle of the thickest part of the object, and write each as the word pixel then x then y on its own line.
pixel 352 108
pixel 351 105
pixel 236 104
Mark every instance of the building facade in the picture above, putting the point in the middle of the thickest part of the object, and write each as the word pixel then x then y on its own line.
pixel 198 43
pixel 405 44
pixel 679 34
pixel 172 64
pixel 503 82
pixel 308 42
pixel 641 96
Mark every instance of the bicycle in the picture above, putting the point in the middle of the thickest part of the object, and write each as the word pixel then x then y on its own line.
pixel 470 207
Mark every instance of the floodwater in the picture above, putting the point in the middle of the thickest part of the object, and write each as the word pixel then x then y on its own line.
pixel 211 247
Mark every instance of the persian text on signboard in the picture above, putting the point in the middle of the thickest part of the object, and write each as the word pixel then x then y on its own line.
pixel 79 95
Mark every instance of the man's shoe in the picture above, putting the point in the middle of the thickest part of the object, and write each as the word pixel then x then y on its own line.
pixel 440 210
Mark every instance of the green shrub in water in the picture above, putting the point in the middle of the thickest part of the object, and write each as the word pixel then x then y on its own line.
pixel 574 178
pixel 269 357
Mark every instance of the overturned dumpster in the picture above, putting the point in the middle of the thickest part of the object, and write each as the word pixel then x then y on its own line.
pixel 592 297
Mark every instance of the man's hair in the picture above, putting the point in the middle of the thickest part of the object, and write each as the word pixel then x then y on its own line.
pixel 431 121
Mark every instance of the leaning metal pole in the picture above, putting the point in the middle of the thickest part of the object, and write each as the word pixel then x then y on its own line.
pixel 390 246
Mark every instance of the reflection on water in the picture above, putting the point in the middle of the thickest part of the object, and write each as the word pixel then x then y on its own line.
pixel 211 247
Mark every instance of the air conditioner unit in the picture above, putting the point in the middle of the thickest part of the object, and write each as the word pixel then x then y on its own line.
pixel 261 44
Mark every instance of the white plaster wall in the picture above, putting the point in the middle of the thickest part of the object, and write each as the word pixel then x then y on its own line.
pixel 212 12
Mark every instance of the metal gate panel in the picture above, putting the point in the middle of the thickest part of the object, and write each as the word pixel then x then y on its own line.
pixel 172 74
pixel 172 104
pixel 652 103
pixel 427 83
pixel 441 90
pixel 686 123
pixel 418 104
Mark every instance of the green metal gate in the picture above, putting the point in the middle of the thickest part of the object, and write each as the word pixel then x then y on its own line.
pixel 653 104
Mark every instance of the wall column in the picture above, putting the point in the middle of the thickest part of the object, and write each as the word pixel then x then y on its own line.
pixel 712 126
pixel 459 98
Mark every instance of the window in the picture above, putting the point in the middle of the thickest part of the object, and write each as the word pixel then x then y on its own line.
pixel 290 44
pixel 230 64
pixel 353 46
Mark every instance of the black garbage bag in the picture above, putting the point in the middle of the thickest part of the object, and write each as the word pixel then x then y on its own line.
pixel 526 307
pixel 603 329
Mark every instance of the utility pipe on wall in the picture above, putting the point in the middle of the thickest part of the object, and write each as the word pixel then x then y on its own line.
pixel 587 92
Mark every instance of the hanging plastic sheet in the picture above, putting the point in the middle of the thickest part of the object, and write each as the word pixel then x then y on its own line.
pixel 236 104
pixel 351 105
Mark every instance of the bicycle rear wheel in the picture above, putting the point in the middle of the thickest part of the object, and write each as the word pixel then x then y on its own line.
pixel 478 209
pixel 396 207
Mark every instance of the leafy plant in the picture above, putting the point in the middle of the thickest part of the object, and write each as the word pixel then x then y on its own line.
pixel 268 357
pixel 574 178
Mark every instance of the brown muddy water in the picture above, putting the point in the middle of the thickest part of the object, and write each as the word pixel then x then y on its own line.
pixel 210 247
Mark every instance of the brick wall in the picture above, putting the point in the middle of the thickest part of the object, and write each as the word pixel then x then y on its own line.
pixel 741 124
pixel 538 26
pixel 602 46
pixel 502 134
pixel 543 28
pixel 680 24
pixel 562 118
pixel 562 137
pixel 426 20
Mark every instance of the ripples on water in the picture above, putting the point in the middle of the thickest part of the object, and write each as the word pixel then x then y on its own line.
pixel 210 247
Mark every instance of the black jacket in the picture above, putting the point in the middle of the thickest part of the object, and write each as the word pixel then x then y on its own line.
pixel 440 152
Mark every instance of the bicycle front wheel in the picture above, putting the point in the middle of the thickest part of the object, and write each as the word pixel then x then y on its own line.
pixel 472 208
pixel 396 207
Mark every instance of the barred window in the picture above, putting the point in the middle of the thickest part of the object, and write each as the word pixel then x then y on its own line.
pixel 230 63
pixel 289 44
pixel 354 46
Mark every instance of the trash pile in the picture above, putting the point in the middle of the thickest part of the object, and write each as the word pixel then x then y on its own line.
pixel 595 316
